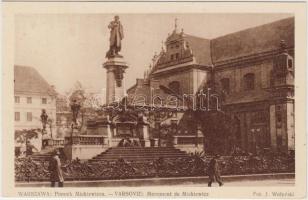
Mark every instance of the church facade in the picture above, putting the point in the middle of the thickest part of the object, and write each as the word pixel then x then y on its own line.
pixel 252 73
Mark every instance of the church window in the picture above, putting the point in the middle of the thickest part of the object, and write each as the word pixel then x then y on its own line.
pixel 259 117
pixel 249 81
pixel 225 85
pixel 175 86
pixel 279 118
pixel 278 108
pixel 290 63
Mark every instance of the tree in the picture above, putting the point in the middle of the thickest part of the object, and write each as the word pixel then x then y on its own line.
pixel 218 127
pixel 89 103
pixel 219 131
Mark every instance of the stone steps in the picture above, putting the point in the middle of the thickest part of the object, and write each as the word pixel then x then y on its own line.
pixel 137 154
pixel 141 154
pixel 140 157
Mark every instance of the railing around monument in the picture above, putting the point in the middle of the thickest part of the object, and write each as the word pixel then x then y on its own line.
pixel 85 140
pixel 55 142
pixel 58 142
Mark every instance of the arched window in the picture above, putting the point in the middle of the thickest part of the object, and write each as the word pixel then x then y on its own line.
pixel 175 86
pixel 225 85
pixel 249 81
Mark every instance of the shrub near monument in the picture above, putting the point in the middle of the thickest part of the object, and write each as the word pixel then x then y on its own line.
pixel 195 165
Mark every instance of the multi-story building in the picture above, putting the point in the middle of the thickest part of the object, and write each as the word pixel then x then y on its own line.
pixel 32 94
pixel 253 69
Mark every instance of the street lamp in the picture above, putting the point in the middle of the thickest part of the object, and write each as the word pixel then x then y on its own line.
pixel 44 120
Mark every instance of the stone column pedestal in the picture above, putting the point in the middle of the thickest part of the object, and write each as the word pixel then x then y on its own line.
pixel 115 90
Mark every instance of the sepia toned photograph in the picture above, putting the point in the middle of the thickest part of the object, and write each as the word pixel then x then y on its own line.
pixel 174 100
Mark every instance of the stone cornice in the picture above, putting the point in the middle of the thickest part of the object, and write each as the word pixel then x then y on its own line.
pixel 244 60
pixel 30 93
pixel 180 68
pixel 255 105
pixel 176 62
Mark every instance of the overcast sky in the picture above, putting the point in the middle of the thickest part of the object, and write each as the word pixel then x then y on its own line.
pixel 65 48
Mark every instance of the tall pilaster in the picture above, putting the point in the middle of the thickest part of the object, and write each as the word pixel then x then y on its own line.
pixel 282 104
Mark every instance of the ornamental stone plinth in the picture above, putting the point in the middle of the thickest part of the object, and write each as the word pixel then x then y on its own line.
pixel 115 90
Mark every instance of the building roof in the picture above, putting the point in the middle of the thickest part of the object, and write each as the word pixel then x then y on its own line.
pixel 28 80
pixel 243 43
pixel 248 42
pixel 253 40
pixel 144 94
pixel 201 49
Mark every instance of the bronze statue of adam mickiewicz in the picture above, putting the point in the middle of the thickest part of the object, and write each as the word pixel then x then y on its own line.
pixel 116 35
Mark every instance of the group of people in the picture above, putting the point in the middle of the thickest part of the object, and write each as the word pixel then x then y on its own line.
pixel 127 142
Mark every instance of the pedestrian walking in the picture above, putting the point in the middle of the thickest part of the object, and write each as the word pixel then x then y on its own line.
pixel 214 172
pixel 56 175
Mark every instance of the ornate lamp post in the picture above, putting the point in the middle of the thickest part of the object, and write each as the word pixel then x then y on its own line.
pixel 44 120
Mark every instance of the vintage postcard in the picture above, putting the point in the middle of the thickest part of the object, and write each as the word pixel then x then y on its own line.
pixel 154 99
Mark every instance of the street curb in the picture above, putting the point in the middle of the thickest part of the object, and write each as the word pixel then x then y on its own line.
pixel 159 181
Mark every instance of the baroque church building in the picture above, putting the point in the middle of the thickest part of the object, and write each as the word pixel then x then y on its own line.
pixel 250 75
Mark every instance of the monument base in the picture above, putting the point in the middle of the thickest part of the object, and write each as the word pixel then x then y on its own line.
pixel 83 152
pixel 84 146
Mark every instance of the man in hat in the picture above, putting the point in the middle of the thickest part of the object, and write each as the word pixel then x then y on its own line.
pixel 55 170
pixel 214 172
